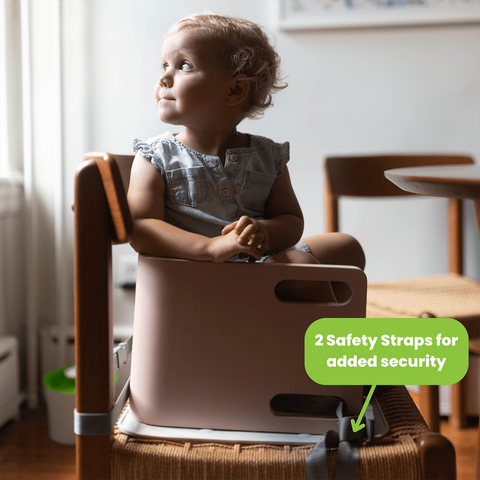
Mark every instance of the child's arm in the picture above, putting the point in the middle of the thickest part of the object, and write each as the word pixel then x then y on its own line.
pixel 283 226
pixel 153 236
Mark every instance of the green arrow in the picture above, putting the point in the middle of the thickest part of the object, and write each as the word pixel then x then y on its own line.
pixel 356 425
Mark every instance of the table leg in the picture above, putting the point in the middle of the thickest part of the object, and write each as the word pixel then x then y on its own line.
pixel 476 204
pixel 429 406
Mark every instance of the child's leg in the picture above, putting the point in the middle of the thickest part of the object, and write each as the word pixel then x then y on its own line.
pixel 336 249
pixel 328 248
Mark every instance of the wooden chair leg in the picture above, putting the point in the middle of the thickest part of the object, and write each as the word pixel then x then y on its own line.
pixel 429 406
pixel 95 452
pixel 437 456
pixel 458 417
pixel 477 473
pixel 475 348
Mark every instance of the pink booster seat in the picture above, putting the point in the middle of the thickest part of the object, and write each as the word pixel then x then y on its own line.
pixel 215 348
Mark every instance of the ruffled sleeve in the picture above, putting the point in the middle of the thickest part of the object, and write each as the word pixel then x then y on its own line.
pixel 282 156
pixel 151 149
pixel 271 153
pixel 145 148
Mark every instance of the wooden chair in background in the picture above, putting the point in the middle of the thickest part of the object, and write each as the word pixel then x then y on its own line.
pixel 102 217
pixel 445 296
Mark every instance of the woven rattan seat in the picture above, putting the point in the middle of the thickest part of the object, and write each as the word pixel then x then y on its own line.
pixel 444 296
pixel 395 457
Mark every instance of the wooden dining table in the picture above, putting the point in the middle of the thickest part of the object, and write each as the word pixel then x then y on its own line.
pixel 452 181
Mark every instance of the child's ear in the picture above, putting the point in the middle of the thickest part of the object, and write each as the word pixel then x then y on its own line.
pixel 238 91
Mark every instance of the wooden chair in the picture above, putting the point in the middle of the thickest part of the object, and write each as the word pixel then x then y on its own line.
pixel 475 350
pixel 102 217
pixel 445 296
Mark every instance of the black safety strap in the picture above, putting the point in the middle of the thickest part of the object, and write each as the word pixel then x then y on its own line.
pixel 346 441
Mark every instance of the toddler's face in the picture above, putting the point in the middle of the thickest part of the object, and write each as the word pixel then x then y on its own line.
pixel 194 83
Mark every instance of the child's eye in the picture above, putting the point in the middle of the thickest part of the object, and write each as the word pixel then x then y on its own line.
pixel 186 66
pixel 164 67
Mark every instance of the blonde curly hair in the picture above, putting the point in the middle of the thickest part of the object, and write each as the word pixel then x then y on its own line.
pixel 248 51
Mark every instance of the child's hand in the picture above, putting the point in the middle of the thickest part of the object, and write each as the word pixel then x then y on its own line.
pixel 250 232
pixel 228 245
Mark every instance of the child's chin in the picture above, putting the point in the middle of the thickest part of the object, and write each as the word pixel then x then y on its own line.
pixel 169 119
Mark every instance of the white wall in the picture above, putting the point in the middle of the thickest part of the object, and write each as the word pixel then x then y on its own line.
pixel 410 89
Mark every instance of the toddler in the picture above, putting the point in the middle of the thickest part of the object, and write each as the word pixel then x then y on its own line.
pixel 211 193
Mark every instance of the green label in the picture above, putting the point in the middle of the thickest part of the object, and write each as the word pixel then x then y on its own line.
pixel 386 351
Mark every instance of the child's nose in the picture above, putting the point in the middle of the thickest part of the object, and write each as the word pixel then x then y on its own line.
pixel 166 80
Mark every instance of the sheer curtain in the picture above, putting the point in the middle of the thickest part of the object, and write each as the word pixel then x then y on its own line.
pixel 34 255
pixel 12 268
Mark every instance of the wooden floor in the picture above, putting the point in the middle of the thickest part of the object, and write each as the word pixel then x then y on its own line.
pixel 27 453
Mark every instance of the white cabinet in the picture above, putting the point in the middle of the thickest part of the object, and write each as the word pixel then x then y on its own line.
pixel 9 379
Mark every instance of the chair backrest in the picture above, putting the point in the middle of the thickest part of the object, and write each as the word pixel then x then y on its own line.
pixel 115 174
pixel 102 217
pixel 363 176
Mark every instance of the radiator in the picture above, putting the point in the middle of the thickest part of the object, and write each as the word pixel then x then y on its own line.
pixel 10 397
